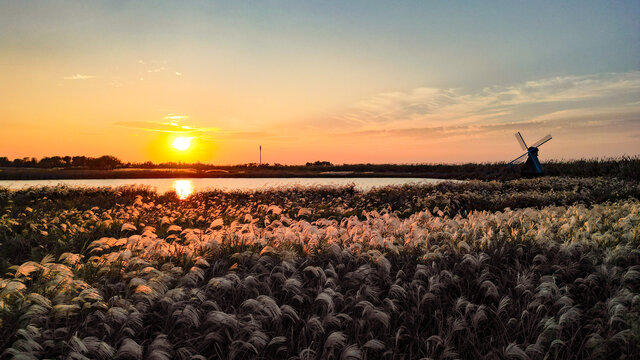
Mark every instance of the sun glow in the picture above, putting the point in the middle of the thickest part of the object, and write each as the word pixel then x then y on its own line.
pixel 182 143
pixel 183 188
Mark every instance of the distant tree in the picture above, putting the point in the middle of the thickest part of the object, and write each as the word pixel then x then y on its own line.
pixel 319 163
pixel 79 161
pixel 4 161
pixel 25 162
pixel 51 162
pixel 106 162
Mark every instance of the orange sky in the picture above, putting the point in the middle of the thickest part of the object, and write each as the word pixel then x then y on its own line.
pixel 347 86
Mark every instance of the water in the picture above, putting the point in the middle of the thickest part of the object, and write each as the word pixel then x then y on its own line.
pixel 184 187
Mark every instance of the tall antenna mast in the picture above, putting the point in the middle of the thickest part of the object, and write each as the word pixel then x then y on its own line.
pixel 260 154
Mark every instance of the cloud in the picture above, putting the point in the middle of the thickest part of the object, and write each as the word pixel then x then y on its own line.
pixel 79 77
pixel 152 66
pixel 447 106
pixel 252 135
pixel 565 122
pixel 551 102
pixel 172 124
pixel 174 117
pixel 176 124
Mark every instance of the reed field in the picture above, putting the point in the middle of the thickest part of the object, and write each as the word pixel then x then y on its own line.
pixel 540 268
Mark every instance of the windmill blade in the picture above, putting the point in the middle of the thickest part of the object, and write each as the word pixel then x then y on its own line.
pixel 542 141
pixel 523 145
pixel 519 159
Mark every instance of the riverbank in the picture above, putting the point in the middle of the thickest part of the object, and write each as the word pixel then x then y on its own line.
pixel 625 168
pixel 51 174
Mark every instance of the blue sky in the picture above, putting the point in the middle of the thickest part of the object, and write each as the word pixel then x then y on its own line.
pixel 364 72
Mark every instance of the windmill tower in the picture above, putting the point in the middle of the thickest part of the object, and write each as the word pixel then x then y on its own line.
pixel 532 165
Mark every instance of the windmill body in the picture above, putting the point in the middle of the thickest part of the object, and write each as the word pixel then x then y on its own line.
pixel 532 165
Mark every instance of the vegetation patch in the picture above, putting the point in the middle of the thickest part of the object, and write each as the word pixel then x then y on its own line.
pixel 526 269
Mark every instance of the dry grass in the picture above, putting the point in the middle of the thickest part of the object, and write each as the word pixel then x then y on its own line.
pixel 135 275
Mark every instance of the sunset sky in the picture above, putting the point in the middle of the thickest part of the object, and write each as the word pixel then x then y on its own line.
pixel 341 81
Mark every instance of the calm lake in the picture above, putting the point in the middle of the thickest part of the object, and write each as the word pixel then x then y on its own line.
pixel 184 187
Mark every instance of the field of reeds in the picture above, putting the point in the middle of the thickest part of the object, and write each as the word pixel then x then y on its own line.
pixel 524 269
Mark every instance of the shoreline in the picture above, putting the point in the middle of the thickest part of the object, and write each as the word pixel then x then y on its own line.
pixel 46 174
pixel 624 168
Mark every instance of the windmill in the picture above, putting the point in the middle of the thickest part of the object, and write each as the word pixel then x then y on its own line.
pixel 532 165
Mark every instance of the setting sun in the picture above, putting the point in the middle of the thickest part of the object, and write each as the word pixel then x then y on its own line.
pixel 182 143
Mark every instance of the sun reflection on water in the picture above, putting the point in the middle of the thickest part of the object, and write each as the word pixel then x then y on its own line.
pixel 183 188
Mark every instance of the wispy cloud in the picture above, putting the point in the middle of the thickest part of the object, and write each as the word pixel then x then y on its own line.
pixel 432 107
pixel 568 121
pixel 174 117
pixel 171 124
pixel 589 115
pixel 79 77
pixel 178 124
pixel 253 136
pixel 152 66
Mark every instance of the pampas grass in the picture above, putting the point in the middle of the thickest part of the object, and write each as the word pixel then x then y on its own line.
pixel 528 269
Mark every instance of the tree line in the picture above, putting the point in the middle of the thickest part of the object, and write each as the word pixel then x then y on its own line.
pixel 106 162
pixel 626 167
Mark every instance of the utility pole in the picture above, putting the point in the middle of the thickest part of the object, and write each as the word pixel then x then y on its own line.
pixel 260 154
